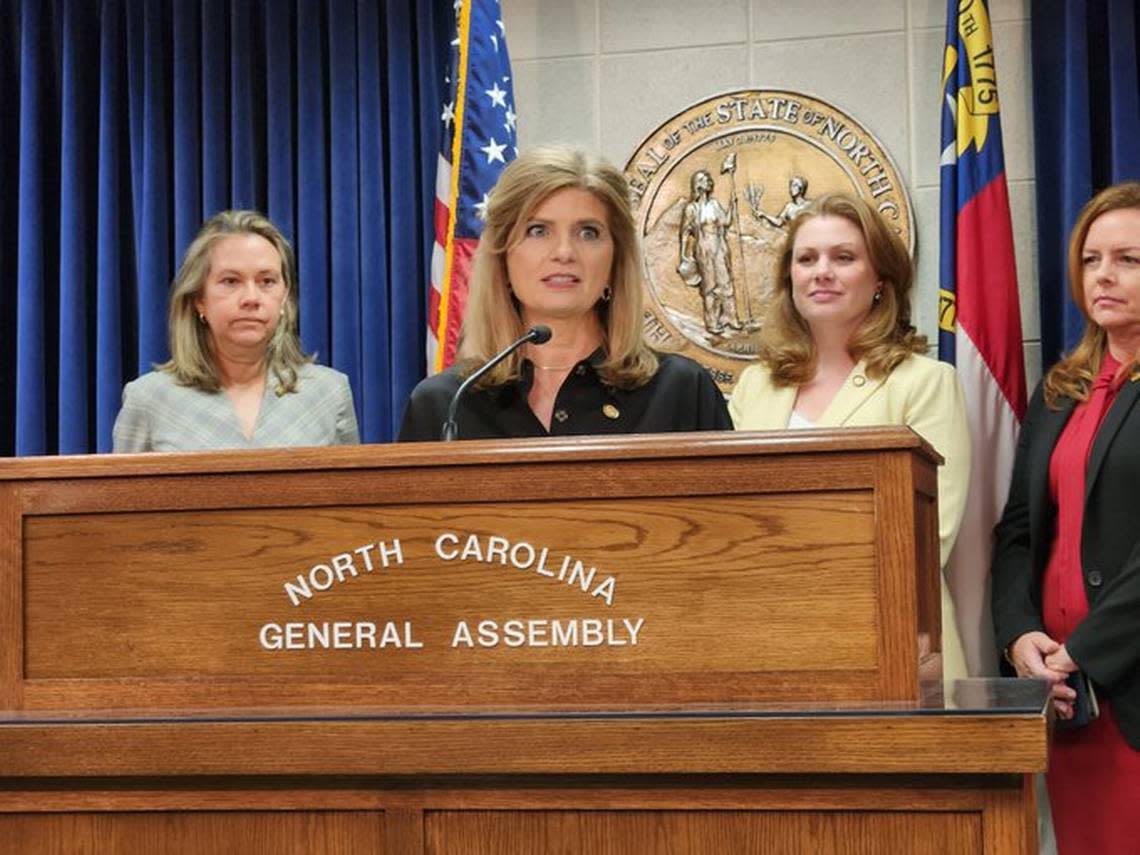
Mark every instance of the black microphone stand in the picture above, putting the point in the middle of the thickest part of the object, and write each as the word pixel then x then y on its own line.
pixel 538 334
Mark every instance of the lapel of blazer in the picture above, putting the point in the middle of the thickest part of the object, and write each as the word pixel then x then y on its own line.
pixel 1117 413
pixel 1052 424
pixel 854 392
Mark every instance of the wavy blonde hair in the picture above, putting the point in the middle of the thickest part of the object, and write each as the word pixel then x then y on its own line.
pixel 884 339
pixel 191 343
pixel 1073 376
pixel 493 317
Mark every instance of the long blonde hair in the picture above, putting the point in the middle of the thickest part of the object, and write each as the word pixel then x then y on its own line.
pixel 1073 376
pixel 191 346
pixel 493 317
pixel 884 339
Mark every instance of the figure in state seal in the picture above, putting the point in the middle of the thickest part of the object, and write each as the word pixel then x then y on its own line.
pixel 705 262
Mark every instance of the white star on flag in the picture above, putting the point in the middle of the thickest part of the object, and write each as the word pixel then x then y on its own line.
pixel 478 134
pixel 498 96
pixel 481 207
pixel 494 151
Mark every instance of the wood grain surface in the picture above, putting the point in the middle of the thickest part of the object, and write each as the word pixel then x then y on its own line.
pixel 895 744
pixel 700 832
pixel 736 584
pixel 619 814
pixel 515 451
pixel 752 567
pixel 195 833
pixel 796 568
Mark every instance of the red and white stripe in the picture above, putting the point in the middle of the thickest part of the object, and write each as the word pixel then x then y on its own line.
pixel 438 257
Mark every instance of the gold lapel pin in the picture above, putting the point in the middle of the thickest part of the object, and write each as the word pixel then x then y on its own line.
pixel 610 411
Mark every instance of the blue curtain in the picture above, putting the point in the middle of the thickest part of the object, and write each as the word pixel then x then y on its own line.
pixel 1086 123
pixel 126 123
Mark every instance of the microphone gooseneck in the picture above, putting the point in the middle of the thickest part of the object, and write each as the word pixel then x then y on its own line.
pixel 538 334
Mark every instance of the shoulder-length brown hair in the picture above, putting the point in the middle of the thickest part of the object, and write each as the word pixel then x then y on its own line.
pixel 493 317
pixel 191 346
pixel 1072 377
pixel 885 338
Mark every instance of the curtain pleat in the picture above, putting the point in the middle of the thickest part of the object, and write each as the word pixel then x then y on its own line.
pixel 155 230
pixel 1124 86
pixel 400 45
pixel 114 334
pixel 132 121
pixel 344 211
pixel 245 110
pixel 75 221
pixel 214 83
pixel 375 371
pixel 187 110
pixel 1086 121
pixel 429 20
pixel 279 136
pixel 312 182
pixel 37 104
pixel 9 154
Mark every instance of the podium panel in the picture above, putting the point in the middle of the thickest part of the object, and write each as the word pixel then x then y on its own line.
pixel 679 643
pixel 942 774
pixel 587 572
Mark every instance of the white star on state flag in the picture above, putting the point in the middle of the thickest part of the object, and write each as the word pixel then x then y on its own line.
pixel 494 151
pixel 502 29
pixel 510 123
pixel 498 96
pixel 495 42
pixel 448 113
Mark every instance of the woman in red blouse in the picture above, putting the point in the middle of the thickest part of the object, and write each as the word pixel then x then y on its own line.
pixel 1066 571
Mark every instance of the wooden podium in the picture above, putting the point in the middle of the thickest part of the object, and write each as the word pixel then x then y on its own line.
pixel 683 643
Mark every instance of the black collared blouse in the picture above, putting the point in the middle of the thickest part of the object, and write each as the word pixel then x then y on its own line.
pixel 681 396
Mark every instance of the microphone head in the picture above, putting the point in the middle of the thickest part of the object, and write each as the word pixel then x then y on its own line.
pixel 539 334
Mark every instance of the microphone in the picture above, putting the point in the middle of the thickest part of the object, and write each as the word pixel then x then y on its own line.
pixel 538 334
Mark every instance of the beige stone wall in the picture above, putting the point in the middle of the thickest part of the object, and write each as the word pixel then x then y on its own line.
pixel 604 73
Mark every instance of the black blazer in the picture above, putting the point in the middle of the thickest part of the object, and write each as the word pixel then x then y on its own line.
pixel 1106 645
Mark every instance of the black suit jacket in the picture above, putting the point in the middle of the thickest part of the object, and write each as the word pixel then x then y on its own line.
pixel 1106 645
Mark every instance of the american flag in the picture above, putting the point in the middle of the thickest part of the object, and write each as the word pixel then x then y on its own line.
pixel 478 139
pixel 979 312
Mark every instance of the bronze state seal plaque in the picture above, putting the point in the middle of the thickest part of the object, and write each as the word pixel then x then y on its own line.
pixel 714 189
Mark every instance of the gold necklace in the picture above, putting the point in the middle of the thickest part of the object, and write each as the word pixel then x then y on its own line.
pixel 553 367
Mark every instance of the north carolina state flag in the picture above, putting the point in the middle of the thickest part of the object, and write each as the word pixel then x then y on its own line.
pixel 979 314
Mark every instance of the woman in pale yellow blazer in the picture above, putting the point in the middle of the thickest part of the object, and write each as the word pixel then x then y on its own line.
pixel 838 349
